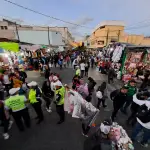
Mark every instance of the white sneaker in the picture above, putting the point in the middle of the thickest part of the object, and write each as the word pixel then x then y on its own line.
pixel 10 125
pixel 49 110
pixel 6 136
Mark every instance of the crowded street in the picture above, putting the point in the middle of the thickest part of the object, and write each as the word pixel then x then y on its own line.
pixel 74 75
pixel 49 135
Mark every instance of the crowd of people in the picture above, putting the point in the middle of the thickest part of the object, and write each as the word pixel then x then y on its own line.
pixel 19 94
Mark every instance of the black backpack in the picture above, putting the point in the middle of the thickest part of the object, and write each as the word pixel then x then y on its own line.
pixel 143 114
pixel 113 94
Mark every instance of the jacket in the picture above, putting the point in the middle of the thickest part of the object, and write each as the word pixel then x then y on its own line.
pixel 131 90
pixel 136 103
pixel 120 99
pixel 145 125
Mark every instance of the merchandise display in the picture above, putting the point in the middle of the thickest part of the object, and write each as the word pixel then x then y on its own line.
pixel 118 136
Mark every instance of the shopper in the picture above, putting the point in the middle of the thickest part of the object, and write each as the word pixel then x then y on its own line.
pixel 16 103
pixel 6 81
pixel 111 75
pixel 5 120
pixel 86 69
pixel 47 95
pixel 82 68
pixel 59 101
pixel 119 100
pixel 35 94
pixel 91 85
pixel 131 91
pixel 138 100
pixel 100 95
pixel 75 63
pixel 143 124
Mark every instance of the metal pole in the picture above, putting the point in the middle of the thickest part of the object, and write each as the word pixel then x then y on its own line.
pixel 17 31
pixel 107 37
pixel 49 42
pixel 118 35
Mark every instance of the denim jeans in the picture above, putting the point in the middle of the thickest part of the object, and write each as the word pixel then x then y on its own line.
pixel 137 129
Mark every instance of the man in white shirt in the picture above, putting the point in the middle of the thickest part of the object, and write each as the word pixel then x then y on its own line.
pixel 82 68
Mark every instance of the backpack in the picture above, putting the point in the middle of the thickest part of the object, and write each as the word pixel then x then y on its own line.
pixel 113 94
pixel 143 114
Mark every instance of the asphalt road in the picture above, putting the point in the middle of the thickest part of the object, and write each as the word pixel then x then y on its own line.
pixel 67 136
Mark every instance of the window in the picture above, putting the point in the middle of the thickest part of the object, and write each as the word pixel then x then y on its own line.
pixel 100 42
pixel 5 27
pixel 2 27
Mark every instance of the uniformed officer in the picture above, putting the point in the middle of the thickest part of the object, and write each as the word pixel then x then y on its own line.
pixel 35 94
pixel 78 72
pixel 59 101
pixel 19 110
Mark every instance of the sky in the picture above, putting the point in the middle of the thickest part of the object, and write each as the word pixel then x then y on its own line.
pixel 89 13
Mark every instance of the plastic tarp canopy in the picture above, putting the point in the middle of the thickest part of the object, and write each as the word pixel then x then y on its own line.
pixel 14 47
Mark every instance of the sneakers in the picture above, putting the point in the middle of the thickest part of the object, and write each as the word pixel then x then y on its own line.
pixel 60 122
pixel 10 125
pixel 49 110
pixel 84 134
pixel 144 144
pixel 6 136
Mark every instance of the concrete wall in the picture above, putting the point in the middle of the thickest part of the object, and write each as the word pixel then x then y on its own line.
pixel 40 37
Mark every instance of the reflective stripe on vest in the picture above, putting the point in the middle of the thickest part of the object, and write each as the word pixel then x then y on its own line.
pixel 32 96
pixel 61 91
pixel 15 103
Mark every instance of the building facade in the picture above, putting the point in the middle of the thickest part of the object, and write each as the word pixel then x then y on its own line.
pixel 57 36
pixel 113 31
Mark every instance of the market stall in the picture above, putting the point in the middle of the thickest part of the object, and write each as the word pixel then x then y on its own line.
pixel 135 59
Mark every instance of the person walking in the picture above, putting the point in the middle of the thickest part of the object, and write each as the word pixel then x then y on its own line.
pixel 100 95
pixel 118 101
pixel 131 91
pixel 16 103
pixel 5 120
pixel 82 68
pixel 86 69
pixel 35 94
pixel 6 81
pixel 143 124
pixel 47 94
pixel 78 72
pixel 59 101
pixel 138 100
pixel 111 75
pixel 75 63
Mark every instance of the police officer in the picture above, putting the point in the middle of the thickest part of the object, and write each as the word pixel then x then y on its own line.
pixel 59 101
pixel 35 94
pixel 19 110
pixel 78 72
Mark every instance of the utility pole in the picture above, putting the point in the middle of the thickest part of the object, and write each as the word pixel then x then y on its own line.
pixel 107 37
pixel 49 42
pixel 17 31
pixel 118 35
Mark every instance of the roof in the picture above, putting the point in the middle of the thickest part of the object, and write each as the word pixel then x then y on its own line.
pixel 110 23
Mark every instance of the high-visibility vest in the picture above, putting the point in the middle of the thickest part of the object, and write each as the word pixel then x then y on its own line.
pixel 61 91
pixel 32 96
pixel 78 72
pixel 15 103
